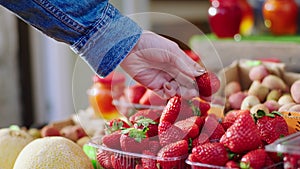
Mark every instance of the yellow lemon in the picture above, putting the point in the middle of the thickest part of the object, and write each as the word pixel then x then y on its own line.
pixel 11 144
pixel 52 153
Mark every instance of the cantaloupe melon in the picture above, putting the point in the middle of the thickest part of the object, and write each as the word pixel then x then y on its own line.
pixel 52 153
pixel 11 144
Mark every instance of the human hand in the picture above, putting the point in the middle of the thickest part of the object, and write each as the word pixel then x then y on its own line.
pixel 160 65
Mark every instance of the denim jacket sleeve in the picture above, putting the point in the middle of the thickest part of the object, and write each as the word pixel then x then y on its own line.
pixel 94 29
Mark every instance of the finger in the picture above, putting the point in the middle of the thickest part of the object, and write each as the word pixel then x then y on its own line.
pixel 185 64
pixel 170 89
pixel 187 93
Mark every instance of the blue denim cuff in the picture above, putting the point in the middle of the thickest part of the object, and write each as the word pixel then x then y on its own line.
pixel 112 39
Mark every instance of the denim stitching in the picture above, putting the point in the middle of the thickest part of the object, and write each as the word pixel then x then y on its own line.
pixel 108 13
pixel 60 15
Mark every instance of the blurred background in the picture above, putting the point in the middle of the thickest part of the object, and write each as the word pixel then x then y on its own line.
pixel 36 72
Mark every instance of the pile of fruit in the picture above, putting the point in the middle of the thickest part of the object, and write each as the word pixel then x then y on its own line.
pixel 186 134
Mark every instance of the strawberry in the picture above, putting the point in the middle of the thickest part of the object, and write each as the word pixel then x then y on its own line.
pixel 115 125
pixel 232 164
pixel 135 92
pixel 208 84
pixel 147 125
pixel 211 153
pixel 213 128
pixel 150 162
pixel 146 113
pixel 133 140
pixel 169 133
pixel 103 157
pixel 242 135
pixel 271 126
pixel 154 146
pixel 151 98
pixel 176 149
pixel 201 139
pixel 231 116
pixel 112 140
pixel 255 159
pixel 171 110
pixel 189 127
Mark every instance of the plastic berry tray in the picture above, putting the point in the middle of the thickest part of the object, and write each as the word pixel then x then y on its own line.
pixel 131 160
pixel 289 147
pixel 196 165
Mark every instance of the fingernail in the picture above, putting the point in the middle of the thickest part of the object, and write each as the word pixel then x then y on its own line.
pixel 168 86
pixel 199 72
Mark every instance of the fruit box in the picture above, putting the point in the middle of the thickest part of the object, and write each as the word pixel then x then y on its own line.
pixel 239 71
pixel 290 148
pixel 195 165
pixel 130 160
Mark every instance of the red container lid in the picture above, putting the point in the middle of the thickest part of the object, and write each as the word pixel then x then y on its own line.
pixel 114 77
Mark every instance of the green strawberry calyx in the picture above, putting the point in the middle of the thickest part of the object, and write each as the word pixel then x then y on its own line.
pixel 137 134
pixel 145 122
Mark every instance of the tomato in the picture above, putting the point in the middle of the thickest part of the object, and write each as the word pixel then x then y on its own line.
pixel 280 16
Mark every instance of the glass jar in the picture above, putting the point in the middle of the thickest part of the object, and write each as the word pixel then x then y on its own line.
pixel 225 18
pixel 103 92
pixel 247 23
pixel 280 16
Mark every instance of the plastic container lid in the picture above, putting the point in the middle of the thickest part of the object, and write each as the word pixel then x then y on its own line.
pixel 289 144
pixel 114 77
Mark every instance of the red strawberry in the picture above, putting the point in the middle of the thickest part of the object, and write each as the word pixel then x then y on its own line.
pixel 112 140
pixel 211 153
pixel 176 149
pixel 199 120
pixel 116 124
pixel 135 92
pixel 208 84
pixel 189 127
pixel 104 159
pixel 148 125
pixel 151 98
pixel 146 113
pixel 154 146
pixel 133 140
pixel 255 159
pixel 242 136
pixel 169 133
pixel 231 116
pixel 150 162
pixel 121 161
pixel 271 126
pixel 201 139
pixel 232 164
pixel 213 128
pixel 171 110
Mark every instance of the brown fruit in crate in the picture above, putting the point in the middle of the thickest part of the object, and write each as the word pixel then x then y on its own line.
pixel 285 99
pixel 295 108
pixel 258 107
pixel 235 100
pixel 47 131
pixel 259 90
pixel 274 95
pixel 232 87
pixel 272 105
pixel 249 102
pixel 274 82
pixel 258 73
pixel 295 91
pixel 286 107
pixel 69 133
